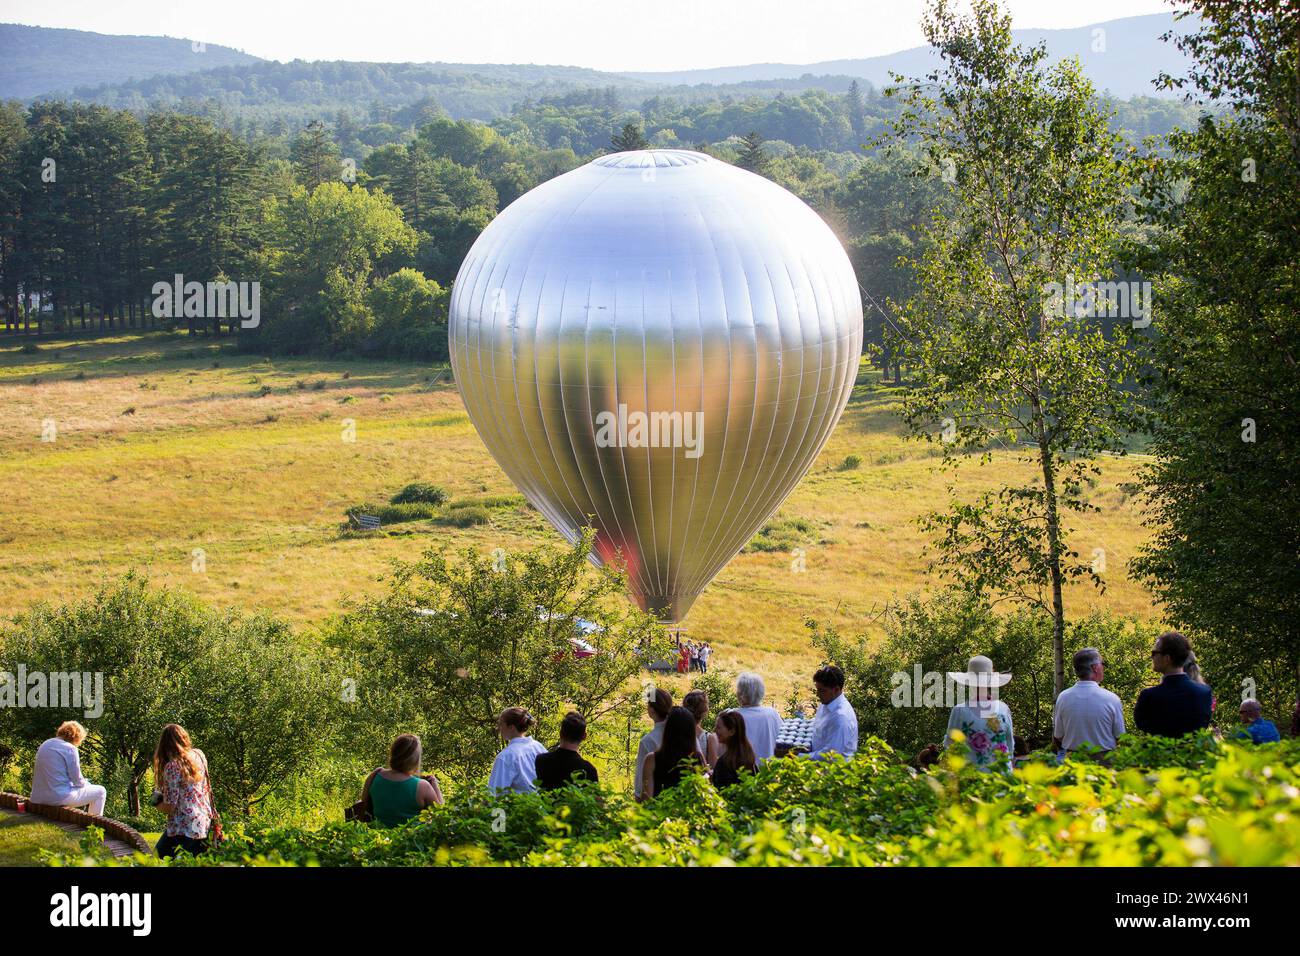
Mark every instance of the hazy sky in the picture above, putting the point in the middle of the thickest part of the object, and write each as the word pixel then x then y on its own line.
pixel 605 34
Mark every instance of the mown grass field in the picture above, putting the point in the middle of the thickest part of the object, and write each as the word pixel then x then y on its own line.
pixel 22 837
pixel 139 450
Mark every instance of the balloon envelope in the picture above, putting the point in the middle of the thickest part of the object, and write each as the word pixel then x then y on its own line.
pixel 657 344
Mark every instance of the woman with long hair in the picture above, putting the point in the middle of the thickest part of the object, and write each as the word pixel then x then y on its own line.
pixel 183 791
pixel 697 702
pixel 1193 670
pixel 737 755
pixel 664 768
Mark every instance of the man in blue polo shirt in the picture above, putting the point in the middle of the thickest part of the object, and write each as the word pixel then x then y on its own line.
pixel 1177 705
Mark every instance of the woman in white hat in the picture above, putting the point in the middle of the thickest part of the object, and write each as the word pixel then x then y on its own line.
pixel 983 719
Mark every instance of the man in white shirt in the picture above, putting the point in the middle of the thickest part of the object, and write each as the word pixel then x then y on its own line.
pixel 762 724
pixel 1086 713
pixel 835 728
pixel 657 706
pixel 56 776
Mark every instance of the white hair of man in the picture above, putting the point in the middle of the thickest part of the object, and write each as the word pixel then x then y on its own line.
pixel 1252 708
pixel 1084 661
pixel 750 689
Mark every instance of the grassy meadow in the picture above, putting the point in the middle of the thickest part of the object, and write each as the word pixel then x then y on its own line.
pixel 23 837
pixel 137 451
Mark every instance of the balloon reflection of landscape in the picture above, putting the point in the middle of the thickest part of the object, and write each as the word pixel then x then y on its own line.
pixel 657 344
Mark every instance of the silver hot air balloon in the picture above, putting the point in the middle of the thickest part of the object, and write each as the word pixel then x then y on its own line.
pixel 657 344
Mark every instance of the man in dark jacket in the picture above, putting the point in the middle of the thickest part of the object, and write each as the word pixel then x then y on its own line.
pixel 1177 705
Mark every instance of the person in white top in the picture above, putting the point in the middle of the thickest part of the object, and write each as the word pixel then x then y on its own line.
pixel 56 777
pixel 657 706
pixel 835 728
pixel 1087 713
pixel 705 653
pixel 516 766
pixel 762 724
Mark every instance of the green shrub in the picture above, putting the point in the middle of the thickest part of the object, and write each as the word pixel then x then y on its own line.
pixel 782 534
pixel 850 463
pixel 258 701
pixel 488 501
pixel 464 517
pixel 1235 805
pixel 394 514
pixel 420 492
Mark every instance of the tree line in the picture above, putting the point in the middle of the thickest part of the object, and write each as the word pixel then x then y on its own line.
pixel 350 252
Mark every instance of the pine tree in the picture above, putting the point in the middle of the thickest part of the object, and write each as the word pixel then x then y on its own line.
pixel 753 157
pixel 630 138
pixel 856 110
pixel 315 156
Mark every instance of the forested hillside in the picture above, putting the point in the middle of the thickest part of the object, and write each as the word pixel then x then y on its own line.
pixel 39 60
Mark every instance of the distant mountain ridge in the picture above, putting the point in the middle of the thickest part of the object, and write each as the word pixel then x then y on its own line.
pixel 1121 57
pixel 1130 56
pixel 44 60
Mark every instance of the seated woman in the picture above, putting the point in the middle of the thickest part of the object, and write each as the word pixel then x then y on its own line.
pixel 677 755
pixel 395 794
pixel 56 777
pixel 736 756
pixel 183 791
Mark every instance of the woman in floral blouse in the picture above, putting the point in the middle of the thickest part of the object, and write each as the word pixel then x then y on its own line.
pixel 183 792
pixel 984 721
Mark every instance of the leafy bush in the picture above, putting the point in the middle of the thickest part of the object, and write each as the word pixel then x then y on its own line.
pixel 420 492
pixel 395 514
pixel 409 316
pixel 1233 806
pixel 253 697
pixel 720 686
pixel 488 501
pixel 782 534
pixel 851 463
pixel 464 517
pixel 452 644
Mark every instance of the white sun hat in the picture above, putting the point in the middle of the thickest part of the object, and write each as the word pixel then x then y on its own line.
pixel 979 672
